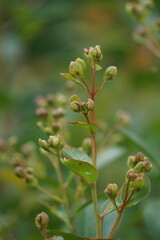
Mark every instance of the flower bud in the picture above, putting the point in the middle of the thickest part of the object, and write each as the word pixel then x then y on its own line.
pixel 32 180
pixel 83 64
pixel 43 143
pixel 111 190
pixel 90 104
pixel 56 127
pixel 137 184
pixel 42 221
pixel 48 130
pixel 131 161
pixel 139 157
pixel 130 175
pixel 74 98
pixel 59 113
pixel 55 142
pixel 83 107
pixel 76 69
pixel 110 73
pixel 41 112
pixel 20 172
pixel 147 166
pixel 75 106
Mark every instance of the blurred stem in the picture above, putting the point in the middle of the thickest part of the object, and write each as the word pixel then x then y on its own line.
pixel 63 190
pixel 43 190
pixel 93 92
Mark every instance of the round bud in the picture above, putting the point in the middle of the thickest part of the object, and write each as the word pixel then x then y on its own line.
pixel 131 161
pixel 139 157
pixel 43 143
pixel 137 184
pixel 130 175
pixel 111 190
pixel 58 113
pixel 90 104
pixel 76 69
pixel 147 166
pixel 20 172
pixel 41 112
pixel 56 127
pixel 110 73
pixel 55 142
pixel 42 221
pixel 75 106
pixel 83 64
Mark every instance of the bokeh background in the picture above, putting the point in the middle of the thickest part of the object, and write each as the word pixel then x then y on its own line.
pixel 38 39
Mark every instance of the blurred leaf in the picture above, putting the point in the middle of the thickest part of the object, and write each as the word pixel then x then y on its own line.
pixel 75 153
pixel 143 146
pixel 91 126
pixel 140 195
pixel 109 205
pixel 109 155
pixel 72 78
pixel 83 169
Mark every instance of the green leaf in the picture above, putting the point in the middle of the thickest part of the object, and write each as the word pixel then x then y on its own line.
pixel 72 78
pixel 144 147
pixel 109 155
pixel 111 208
pixel 67 236
pixel 83 169
pixel 140 195
pixel 75 153
pixel 98 67
pixel 92 126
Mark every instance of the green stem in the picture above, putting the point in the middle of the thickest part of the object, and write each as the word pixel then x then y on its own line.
pixel 114 228
pixel 95 204
pixel 43 190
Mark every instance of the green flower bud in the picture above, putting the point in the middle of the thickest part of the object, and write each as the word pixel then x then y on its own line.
pixel 75 106
pixel 111 190
pixel 74 98
pixel 110 73
pixel 83 107
pixel 76 69
pixel 83 64
pixel 131 161
pixel 40 124
pixel 137 184
pixel 42 221
pixel 48 130
pixel 55 142
pixel 43 143
pixel 130 175
pixel 147 166
pixel 56 127
pixel 90 104
pixel 93 54
pixel 31 179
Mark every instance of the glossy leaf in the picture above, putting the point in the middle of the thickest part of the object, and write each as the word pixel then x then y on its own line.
pixel 83 169
pixel 75 153
pixel 72 78
pixel 140 195
pixel 68 236
pixel 92 126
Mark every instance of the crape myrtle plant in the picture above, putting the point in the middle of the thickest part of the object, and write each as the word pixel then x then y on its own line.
pixel 80 162
pixel 148 31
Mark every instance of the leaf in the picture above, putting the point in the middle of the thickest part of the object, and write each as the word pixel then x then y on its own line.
pixel 98 67
pixel 72 78
pixel 111 208
pixel 83 169
pixel 110 155
pixel 75 153
pixel 140 195
pixel 138 142
pixel 92 126
pixel 68 236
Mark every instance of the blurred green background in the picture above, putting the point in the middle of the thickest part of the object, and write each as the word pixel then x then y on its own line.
pixel 38 39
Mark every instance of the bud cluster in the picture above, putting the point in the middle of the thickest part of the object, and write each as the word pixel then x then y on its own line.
pixel 51 110
pixel 93 54
pixel 77 106
pixel 54 143
pixel 139 163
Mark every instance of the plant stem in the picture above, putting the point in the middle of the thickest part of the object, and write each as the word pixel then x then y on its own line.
pixel 95 204
pixel 114 228
pixel 43 190
pixel 92 95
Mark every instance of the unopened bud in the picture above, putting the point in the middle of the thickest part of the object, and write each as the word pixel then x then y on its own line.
pixel 131 175
pixel 139 157
pixel 139 167
pixel 75 106
pixel 90 104
pixel 20 172
pixel 43 143
pixel 55 142
pixel 83 107
pixel 137 184
pixel 76 69
pixel 131 161
pixel 48 130
pixel 41 112
pixel 147 166
pixel 42 221
pixel 83 64
pixel 56 127
pixel 110 73
pixel 59 113
pixel 111 190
